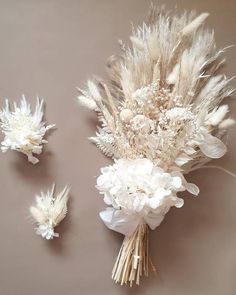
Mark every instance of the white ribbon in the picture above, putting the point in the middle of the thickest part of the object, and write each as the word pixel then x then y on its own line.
pixel 126 224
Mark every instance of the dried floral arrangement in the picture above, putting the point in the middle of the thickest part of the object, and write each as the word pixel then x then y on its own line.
pixel 160 118
pixel 49 211
pixel 24 131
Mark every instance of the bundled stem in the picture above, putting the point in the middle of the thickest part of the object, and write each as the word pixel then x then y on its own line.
pixel 133 258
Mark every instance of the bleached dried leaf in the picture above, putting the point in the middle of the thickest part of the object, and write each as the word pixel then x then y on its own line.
pixel 182 159
pixel 213 147
pixel 192 189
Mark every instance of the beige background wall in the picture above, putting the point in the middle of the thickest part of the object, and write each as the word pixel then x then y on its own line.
pixel 47 48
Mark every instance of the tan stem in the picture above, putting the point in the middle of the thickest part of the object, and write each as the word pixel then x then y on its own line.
pixel 133 259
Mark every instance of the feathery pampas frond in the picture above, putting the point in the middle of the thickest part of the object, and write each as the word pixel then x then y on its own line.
pixel 24 131
pixel 160 118
pixel 49 211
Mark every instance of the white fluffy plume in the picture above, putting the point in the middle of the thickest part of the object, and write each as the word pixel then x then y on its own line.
pixel 49 211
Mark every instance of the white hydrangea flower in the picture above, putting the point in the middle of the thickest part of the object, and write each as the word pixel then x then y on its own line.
pixel 24 131
pixel 139 187
pixel 49 211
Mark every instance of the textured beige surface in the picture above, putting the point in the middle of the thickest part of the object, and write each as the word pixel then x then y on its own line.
pixel 47 48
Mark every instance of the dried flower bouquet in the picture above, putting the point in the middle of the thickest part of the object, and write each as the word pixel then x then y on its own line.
pixel 160 119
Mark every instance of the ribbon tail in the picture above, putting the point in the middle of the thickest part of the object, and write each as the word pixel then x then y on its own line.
pixel 153 220
pixel 120 222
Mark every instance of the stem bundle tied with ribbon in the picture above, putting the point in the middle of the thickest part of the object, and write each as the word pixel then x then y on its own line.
pixel 133 258
pixel 160 119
